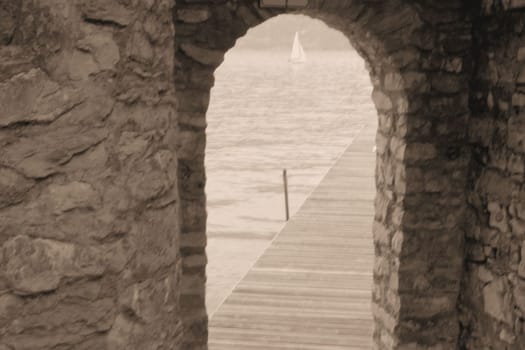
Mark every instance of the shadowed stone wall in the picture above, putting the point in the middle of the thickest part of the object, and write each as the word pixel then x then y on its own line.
pixel 493 299
pixel 418 54
pixel 88 182
pixel 102 202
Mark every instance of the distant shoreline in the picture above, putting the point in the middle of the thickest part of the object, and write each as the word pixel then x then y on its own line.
pixel 287 49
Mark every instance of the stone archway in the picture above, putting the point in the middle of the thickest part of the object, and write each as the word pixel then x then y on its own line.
pixel 415 54
pixel 94 193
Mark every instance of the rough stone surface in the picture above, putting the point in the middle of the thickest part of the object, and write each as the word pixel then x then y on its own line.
pixel 102 131
pixel 89 255
pixel 193 15
pixel 32 97
pixel 495 194
pixel 205 56
pixel 111 12
pixel 422 99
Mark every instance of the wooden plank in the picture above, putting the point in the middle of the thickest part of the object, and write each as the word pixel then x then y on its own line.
pixel 311 289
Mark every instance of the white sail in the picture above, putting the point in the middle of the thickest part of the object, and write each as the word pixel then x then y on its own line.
pixel 297 55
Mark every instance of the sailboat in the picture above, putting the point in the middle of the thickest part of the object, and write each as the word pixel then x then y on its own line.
pixel 297 55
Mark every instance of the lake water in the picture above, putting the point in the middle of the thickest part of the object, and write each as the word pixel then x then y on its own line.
pixel 266 115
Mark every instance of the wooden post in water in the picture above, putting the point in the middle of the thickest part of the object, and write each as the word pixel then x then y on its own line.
pixel 285 180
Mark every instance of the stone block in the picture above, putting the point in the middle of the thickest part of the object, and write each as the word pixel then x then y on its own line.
pixel 517 209
pixel 80 65
pixel 9 23
pixel 193 15
pixel 447 83
pixel 384 317
pixel 406 58
pixel 453 64
pixel 43 155
pixel 207 57
pixel 382 235
pixel 495 185
pixel 397 242
pixel 517 227
pixel 388 341
pixel 33 266
pixel 406 105
pixel 131 143
pixel 381 267
pixel 516 4
pixel 13 187
pixel 416 152
pixel 516 130
pixel 381 100
pixel 519 295
pixel 155 249
pixel 521 76
pixel 436 183
pixel 385 123
pixel 398 148
pixel 485 275
pixel 394 82
pixel 191 144
pixel 498 216
pixel 415 81
pixel 193 101
pixel 103 47
pixel 193 284
pixel 194 120
pixel 125 334
pixel 149 299
pixel 475 252
pixel 140 49
pixel 193 215
pixel 398 215
pixel 427 307
pixel 194 261
pixel 516 165
pixel 107 11
pixel 507 337
pixel 382 142
pixel 202 78
pixel 248 16
pixel 9 305
pixel 496 300
pixel 518 100
pixel 149 183
pixel 521 267
pixel 193 240
pixel 32 97
pixel 521 54
pixel 74 195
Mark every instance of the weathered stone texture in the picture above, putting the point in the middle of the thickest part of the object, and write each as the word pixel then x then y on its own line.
pixel 491 303
pixel 102 201
pixel 421 95
pixel 89 238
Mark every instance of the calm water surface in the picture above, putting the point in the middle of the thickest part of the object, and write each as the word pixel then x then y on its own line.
pixel 266 115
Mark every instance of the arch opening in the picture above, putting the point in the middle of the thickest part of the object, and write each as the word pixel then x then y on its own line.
pixel 266 114
pixel 419 203
pixel 103 176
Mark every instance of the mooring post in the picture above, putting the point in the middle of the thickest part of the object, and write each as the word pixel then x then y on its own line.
pixel 285 180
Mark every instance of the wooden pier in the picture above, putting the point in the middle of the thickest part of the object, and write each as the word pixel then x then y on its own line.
pixel 311 289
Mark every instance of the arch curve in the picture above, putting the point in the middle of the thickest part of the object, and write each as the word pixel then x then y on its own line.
pixel 416 57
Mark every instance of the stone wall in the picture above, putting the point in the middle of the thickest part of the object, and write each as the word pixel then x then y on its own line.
pixel 88 176
pixel 418 55
pixel 493 288
pixel 102 179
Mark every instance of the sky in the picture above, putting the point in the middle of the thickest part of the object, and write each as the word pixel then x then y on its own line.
pixel 278 33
